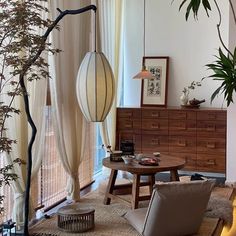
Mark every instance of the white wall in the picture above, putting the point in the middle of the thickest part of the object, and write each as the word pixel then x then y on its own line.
pixel 190 45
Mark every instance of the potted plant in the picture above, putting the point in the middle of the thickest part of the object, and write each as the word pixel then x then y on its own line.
pixel 224 67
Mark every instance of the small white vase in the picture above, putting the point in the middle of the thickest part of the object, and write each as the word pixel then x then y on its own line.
pixel 184 99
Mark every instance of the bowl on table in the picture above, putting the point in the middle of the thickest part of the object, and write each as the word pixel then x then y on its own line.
pixel 156 154
pixel 127 159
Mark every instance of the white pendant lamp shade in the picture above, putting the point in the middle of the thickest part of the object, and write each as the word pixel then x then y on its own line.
pixel 95 86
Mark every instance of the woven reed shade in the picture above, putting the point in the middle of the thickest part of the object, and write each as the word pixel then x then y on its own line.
pixel 95 86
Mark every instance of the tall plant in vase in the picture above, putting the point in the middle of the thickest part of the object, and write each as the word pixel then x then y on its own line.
pixel 224 67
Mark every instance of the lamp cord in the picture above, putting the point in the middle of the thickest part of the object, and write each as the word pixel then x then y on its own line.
pixel 144 25
pixel 95 29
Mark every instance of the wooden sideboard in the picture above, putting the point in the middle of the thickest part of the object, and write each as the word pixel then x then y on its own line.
pixel 196 135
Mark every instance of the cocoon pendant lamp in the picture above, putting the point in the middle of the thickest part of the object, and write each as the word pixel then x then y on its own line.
pixel 95 87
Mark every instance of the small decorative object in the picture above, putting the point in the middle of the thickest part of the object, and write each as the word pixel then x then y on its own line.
pixel 8 226
pixel 127 159
pixel 154 91
pixel 139 156
pixel 127 147
pixel 114 155
pixel 149 161
pixel 156 154
pixel 184 98
pixel 196 102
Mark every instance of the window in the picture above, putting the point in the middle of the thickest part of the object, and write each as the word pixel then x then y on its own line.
pixel 100 152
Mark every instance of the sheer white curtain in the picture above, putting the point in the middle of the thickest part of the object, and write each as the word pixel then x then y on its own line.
pixel 19 130
pixel 110 42
pixel 70 125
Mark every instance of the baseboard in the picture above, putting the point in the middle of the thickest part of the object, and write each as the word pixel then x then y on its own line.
pixel 231 184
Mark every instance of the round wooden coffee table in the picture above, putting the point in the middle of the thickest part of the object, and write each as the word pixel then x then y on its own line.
pixel 167 163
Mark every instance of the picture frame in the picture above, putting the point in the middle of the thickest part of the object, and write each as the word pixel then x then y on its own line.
pixel 154 91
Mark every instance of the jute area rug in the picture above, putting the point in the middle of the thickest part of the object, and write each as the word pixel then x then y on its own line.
pixel 108 220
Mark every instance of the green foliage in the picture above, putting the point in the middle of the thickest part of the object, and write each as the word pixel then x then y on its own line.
pixel 194 5
pixel 20 43
pixel 224 69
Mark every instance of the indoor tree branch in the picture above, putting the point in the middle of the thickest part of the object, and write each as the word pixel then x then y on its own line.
pixel 232 8
pixel 218 29
pixel 25 68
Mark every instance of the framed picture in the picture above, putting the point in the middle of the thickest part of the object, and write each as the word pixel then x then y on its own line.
pixel 154 91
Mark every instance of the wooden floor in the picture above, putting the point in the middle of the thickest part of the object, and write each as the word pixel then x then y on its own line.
pixel 231 231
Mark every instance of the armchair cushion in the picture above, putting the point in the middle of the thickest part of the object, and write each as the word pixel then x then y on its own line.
pixel 175 209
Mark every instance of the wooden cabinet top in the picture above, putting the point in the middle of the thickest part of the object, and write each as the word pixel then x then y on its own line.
pixel 176 108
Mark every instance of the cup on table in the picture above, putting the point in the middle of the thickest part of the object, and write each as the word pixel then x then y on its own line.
pixel 139 156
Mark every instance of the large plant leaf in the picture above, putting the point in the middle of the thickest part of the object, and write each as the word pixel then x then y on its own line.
pixel 207 6
pixel 224 69
pixel 194 5
pixel 217 91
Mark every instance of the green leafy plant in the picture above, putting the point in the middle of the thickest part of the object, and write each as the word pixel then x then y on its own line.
pixel 224 68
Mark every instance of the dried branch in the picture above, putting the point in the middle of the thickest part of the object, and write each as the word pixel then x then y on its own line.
pixel 29 63
pixel 232 8
pixel 218 29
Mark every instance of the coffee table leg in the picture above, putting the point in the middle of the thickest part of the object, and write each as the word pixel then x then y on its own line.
pixel 110 187
pixel 135 191
pixel 174 176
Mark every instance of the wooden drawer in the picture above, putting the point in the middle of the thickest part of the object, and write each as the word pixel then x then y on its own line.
pixel 154 113
pixel 155 125
pixel 184 127
pixel 129 113
pixel 182 115
pixel 211 163
pixel 128 124
pixel 154 143
pixel 129 136
pixel 212 115
pixel 182 144
pixel 196 135
pixel 190 159
pixel 211 128
pixel 211 145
